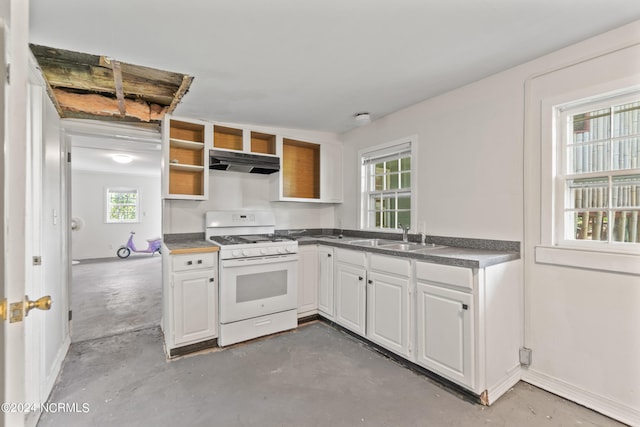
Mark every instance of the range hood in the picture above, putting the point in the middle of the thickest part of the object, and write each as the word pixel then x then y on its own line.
pixel 243 162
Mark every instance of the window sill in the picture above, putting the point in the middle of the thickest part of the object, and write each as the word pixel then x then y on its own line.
pixel 617 262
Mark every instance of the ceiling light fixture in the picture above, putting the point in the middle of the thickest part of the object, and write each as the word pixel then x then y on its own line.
pixel 121 158
pixel 362 118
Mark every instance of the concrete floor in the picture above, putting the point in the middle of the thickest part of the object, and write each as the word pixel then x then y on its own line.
pixel 112 295
pixel 314 376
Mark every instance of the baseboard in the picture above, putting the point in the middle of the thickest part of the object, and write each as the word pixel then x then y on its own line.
pixel 604 405
pixel 33 417
pixel 57 366
pixel 497 390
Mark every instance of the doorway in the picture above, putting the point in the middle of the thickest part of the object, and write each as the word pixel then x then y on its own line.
pixel 109 295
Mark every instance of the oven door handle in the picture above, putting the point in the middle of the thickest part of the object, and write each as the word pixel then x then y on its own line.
pixel 243 262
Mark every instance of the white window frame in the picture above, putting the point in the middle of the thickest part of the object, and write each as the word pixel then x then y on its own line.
pixel 564 228
pixel 108 191
pixel 388 148
pixel 618 258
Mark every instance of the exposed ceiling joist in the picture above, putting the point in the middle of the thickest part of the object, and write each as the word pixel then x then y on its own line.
pixel 97 87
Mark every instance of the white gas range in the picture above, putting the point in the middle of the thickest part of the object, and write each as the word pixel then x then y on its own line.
pixel 258 275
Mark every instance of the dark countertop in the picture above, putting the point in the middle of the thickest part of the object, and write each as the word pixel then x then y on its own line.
pixel 472 253
pixel 449 255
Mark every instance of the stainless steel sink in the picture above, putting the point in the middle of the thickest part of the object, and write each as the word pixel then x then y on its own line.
pixel 428 247
pixel 372 242
pixel 403 246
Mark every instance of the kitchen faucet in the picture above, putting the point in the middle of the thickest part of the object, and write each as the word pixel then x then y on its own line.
pixel 405 231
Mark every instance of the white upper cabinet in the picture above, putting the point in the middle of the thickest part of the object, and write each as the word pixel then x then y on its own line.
pixel 185 158
pixel 310 172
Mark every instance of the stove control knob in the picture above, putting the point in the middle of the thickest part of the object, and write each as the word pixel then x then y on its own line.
pixel 245 253
pixel 289 249
pixel 236 253
pixel 263 251
pixel 281 250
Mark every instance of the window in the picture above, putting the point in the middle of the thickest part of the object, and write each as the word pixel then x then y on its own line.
pixel 122 205
pixel 598 172
pixel 388 186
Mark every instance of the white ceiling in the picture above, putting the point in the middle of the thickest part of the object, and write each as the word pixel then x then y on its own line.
pixel 313 64
pixel 95 154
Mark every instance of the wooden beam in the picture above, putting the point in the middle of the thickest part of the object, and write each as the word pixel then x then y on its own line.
pixel 182 90
pixel 117 81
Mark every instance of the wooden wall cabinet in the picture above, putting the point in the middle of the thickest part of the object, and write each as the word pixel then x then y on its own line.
pixel 310 172
pixel 186 144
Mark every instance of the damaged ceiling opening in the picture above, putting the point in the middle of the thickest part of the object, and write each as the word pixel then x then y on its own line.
pixel 84 86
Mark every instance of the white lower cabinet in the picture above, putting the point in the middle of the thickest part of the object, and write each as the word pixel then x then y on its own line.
pixel 388 312
pixel 445 342
pixel 462 323
pixel 307 280
pixel 326 305
pixel 350 290
pixel 190 312
pixel 195 298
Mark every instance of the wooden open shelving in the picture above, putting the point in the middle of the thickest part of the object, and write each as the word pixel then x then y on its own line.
pixel 263 143
pixel 186 158
pixel 300 169
pixel 229 138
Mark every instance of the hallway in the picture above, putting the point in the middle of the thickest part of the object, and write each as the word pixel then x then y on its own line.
pixel 111 296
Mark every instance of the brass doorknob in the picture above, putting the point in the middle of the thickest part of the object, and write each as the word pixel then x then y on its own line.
pixel 43 303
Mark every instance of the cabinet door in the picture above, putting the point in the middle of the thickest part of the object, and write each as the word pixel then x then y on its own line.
pixel 195 302
pixel 445 332
pixel 350 291
pixel 388 312
pixel 331 173
pixel 307 280
pixel 325 282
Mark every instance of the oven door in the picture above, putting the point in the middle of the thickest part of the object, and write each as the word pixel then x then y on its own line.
pixel 252 287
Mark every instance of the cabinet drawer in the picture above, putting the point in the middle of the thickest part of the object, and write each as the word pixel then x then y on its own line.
pixel 193 261
pixel 351 257
pixel 387 264
pixel 457 276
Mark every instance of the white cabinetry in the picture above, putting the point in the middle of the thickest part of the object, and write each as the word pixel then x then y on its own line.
pixel 388 304
pixel 310 171
pixel 326 305
pixel 185 158
pixel 445 332
pixel 350 290
pixel 307 280
pixel 469 326
pixel 191 298
pixel 331 173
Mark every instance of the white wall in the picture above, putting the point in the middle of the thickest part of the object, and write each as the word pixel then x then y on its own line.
pixel 583 326
pixel 237 190
pixel 469 160
pixel 96 238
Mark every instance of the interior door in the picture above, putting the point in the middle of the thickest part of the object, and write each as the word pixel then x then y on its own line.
pixel 47 333
pixel 15 190
pixel 2 215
